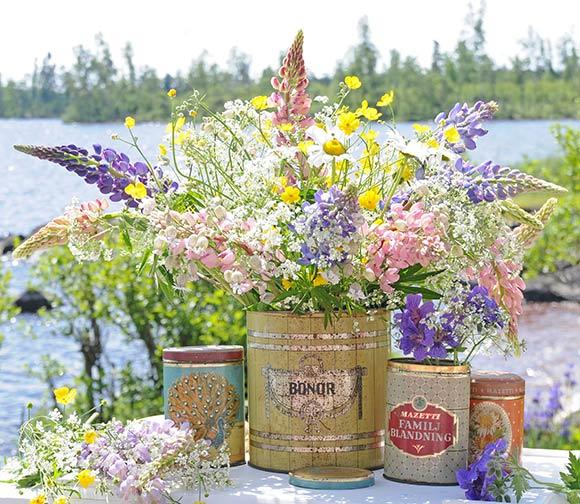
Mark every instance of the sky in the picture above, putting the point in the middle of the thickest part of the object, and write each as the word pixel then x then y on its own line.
pixel 168 35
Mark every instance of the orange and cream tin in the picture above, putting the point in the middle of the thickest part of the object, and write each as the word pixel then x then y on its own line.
pixel 496 411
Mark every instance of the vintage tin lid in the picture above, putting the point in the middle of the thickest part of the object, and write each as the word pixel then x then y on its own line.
pixel 492 384
pixel 331 478
pixel 204 354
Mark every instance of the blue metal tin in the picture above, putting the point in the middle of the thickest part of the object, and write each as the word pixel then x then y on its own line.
pixel 332 478
pixel 204 387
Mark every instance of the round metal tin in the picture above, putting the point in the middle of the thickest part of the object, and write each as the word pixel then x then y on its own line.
pixel 497 384
pixel 331 478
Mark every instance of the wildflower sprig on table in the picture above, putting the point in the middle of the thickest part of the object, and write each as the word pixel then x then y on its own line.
pixel 329 211
pixel 495 476
pixel 64 453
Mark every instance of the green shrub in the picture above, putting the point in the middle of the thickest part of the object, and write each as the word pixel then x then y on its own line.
pixel 559 244
pixel 95 301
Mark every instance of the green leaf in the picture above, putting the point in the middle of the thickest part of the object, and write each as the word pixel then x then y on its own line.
pixel 144 261
pixel 126 239
pixel 29 481
pixel 410 289
pixel 571 478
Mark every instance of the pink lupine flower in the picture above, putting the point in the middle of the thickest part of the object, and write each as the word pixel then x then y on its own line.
pixel 290 97
pixel 409 237
pixel 503 281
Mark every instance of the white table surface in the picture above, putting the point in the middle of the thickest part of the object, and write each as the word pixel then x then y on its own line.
pixel 252 486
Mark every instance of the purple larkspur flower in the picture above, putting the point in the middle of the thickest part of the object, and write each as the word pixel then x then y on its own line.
pixel 416 336
pixel 468 122
pixel 444 337
pixel 109 170
pixel 327 225
pixel 479 301
pixel 478 478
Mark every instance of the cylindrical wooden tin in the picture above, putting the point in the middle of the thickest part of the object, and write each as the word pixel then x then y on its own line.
pixel 204 386
pixel 496 411
pixel 316 393
pixel 427 422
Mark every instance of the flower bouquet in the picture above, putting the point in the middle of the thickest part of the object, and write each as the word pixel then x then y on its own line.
pixel 65 455
pixel 311 212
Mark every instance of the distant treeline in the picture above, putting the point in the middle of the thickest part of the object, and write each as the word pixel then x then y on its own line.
pixel 540 82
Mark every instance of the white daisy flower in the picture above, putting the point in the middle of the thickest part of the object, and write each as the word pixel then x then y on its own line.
pixel 328 146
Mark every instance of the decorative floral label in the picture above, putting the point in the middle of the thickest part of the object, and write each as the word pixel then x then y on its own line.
pixel 312 392
pixel 488 422
pixel 422 429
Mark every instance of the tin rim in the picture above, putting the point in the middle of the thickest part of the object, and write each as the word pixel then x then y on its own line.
pixel 204 354
pixel 444 366
pixel 379 312
pixel 332 474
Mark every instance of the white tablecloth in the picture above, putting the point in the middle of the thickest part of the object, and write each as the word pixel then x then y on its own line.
pixel 252 486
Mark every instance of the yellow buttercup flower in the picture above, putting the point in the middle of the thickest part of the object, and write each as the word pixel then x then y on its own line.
pixel 352 82
pixel 386 99
pixel 182 137
pixel 286 127
pixel 86 478
pixel 369 136
pixel 162 150
pixel 287 284
pixel 90 437
pixel 333 147
pixel 179 123
pixel 65 395
pixel 319 280
pixel 259 102
pixel 372 150
pixel 421 128
pixel 433 143
pixel 452 135
pixel 371 113
pixel 279 184
pixel 366 163
pixel 172 93
pixel 129 122
pixel 348 122
pixel 369 199
pixel 136 190
pixel 341 165
pixel 291 194
pixel 61 500
pixel 406 168
pixel 39 499
pixel 304 145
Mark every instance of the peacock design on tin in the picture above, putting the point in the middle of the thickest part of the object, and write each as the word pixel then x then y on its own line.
pixel 208 402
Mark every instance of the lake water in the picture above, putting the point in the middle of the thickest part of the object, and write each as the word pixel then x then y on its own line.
pixel 33 191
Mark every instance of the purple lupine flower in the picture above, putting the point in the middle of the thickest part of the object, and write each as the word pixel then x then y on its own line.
pixel 489 181
pixel 416 337
pixel 109 170
pixel 545 413
pixel 468 122
pixel 478 479
pixel 570 376
pixel 327 227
